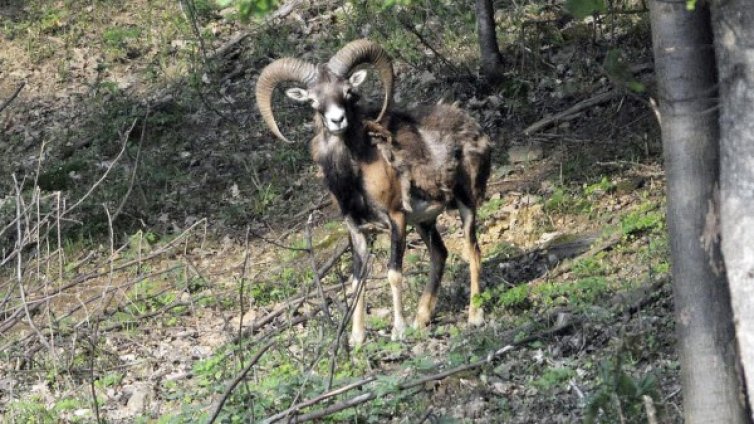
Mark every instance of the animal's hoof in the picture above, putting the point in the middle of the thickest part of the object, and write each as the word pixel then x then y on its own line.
pixel 357 339
pixel 476 316
pixel 399 332
pixel 421 322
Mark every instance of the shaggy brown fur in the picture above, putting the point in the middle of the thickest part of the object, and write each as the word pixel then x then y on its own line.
pixel 430 148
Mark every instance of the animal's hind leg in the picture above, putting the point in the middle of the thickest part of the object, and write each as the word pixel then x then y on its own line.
pixel 437 253
pixel 474 256
pixel 395 271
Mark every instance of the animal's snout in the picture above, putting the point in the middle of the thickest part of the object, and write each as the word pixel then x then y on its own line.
pixel 335 117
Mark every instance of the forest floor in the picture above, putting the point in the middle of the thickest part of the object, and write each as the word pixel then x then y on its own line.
pixel 154 237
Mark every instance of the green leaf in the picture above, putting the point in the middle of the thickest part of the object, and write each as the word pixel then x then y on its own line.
pixel 388 4
pixel 583 8
pixel 618 70
pixel 626 386
pixel 616 67
pixel 636 86
pixel 690 5
pixel 647 385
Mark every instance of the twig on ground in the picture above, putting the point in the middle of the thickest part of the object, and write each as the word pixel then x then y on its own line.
pixel 242 282
pixel 12 96
pixel 649 170
pixel 218 405
pixel 38 301
pixel 276 244
pixel 606 244
pixel 323 202
pixel 244 269
pixel 426 416
pixel 92 388
pixel 337 407
pixel 584 104
pixel 120 324
pixel 324 396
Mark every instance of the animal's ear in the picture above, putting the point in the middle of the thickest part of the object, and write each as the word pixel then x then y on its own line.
pixel 297 94
pixel 357 78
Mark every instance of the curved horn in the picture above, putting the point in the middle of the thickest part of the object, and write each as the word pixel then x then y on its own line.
pixel 286 69
pixel 357 52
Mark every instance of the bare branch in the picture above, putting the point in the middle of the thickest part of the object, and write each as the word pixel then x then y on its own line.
pixel 218 406
pixel 136 167
pixel 324 396
pixel 107 171
pixel 19 266
pixel 316 275
pixel 12 96
pixel 578 107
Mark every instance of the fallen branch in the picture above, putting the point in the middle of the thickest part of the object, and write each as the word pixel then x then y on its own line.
pixel 12 96
pixel 325 201
pixel 336 407
pixel 324 396
pixel 218 406
pixel 136 321
pixel 584 104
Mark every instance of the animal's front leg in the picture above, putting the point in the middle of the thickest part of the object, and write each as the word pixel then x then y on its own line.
pixel 360 253
pixel 395 271
pixel 473 255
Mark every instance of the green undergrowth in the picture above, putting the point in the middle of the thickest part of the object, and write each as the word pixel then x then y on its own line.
pixel 286 374
pixel 35 410
pixel 593 278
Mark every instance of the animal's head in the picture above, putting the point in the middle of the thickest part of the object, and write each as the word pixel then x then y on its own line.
pixel 328 88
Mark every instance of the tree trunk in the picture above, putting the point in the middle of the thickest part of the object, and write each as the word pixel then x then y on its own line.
pixel 733 20
pixel 686 78
pixel 492 60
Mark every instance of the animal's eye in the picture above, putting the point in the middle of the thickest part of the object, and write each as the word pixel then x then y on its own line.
pixel 348 94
